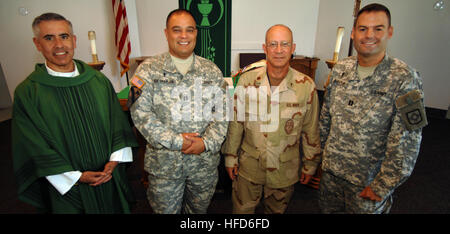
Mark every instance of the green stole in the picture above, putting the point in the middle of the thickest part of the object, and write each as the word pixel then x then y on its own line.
pixel 69 124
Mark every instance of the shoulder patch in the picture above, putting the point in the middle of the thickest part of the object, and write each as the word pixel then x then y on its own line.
pixel 412 110
pixel 133 95
pixel 135 90
pixel 250 67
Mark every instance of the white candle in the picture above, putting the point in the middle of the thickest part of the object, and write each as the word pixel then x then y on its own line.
pixel 337 48
pixel 93 49
pixel 340 34
pixel 91 35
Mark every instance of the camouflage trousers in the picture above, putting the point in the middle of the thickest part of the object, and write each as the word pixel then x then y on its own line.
pixel 189 194
pixel 339 196
pixel 247 195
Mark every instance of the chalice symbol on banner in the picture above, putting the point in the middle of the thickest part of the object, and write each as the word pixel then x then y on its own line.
pixel 207 50
pixel 205 9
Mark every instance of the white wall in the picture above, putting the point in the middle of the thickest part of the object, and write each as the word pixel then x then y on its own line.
pixel 421 39
pixel 19 55
pixel 421 35
pixel 250 21
pixel 152 16
pixel 133 27
pixel 332 14
pixel 252 18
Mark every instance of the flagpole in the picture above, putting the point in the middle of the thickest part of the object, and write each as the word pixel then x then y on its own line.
pixel 128 83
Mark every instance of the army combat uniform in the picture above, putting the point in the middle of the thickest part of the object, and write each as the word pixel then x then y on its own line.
pixel 171 104
pixel 371 129
pixel 267 149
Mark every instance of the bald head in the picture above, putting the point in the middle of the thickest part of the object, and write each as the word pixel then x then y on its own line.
pixel 279 27
pixel 278 48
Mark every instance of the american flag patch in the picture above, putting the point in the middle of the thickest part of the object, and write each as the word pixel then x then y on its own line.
pixel 138 82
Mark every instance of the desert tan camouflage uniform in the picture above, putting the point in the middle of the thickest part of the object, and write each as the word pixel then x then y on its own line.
pixel 258 148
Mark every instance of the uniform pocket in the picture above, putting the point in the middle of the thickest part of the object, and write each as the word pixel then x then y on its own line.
pixel 163 164
pixel 292 119
pixel 210 160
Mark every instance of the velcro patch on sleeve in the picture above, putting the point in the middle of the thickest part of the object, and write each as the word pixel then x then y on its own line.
pixel 412 110
pixel 133 95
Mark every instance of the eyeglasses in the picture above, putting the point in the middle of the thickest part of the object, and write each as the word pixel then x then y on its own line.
pixel 274 44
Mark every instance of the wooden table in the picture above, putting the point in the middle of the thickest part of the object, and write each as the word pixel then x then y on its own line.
pixel 97 66
pixel 305 65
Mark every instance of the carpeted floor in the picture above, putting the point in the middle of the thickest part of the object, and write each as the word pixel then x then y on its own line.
pixel 426 192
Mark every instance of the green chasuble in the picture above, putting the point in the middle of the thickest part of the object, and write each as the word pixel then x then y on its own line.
pixel 65 124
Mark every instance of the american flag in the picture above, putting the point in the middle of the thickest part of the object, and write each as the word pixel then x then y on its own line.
pixel 121 37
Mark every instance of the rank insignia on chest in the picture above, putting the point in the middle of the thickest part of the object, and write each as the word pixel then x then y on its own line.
pixel 137 82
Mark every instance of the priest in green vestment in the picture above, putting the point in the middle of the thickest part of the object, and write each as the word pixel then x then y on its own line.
pixel 71 139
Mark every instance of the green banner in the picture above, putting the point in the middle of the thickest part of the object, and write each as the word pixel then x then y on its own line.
pixel 213 19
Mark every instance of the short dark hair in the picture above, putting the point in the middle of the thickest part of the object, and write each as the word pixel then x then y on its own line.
pixel 374 7
pixel 179 11
pixel 48 17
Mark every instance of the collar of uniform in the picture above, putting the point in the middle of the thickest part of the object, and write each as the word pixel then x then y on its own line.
pixel 384 67
pixel 283 86
pixel 169 65
pixel 264 81
pixel 381 68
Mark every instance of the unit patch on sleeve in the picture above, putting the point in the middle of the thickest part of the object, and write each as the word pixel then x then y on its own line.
pixel 412 110
pixel 135 90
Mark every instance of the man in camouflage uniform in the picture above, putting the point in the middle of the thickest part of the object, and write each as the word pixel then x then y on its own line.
pixel 371 122
pixel 180 115
pixel 263 141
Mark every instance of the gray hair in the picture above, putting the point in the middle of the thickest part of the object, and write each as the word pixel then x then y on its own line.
pixel 48 17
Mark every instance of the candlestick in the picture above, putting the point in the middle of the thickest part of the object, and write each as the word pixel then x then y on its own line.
pixel 91 35
pixel 337 48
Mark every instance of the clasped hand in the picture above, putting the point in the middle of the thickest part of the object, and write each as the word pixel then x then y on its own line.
pixel 192 144
pixel 95 178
